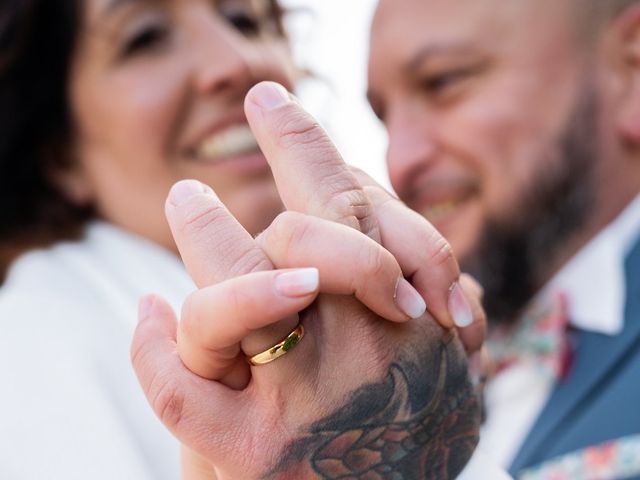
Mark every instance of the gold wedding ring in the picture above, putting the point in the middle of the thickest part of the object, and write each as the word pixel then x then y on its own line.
pixel 280 349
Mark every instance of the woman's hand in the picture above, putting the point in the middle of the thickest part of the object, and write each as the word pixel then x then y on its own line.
pixel 355 388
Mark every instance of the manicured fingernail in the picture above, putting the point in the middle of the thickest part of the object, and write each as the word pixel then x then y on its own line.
pixel 144 307
pixel 298 283
pixel 184 190
pixel 270 95
pixel 459 307
pixel 409 300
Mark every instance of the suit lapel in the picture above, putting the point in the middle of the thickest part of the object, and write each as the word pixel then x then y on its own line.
pixel 592 368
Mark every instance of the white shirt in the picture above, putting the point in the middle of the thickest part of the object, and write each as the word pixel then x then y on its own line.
pixel 516 396
pixel 71 407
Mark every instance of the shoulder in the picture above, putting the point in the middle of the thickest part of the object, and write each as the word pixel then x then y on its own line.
pixel 81 283
pixel 44 289
pixel 67 315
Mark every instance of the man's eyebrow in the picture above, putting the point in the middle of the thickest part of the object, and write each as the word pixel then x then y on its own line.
pixel 432 50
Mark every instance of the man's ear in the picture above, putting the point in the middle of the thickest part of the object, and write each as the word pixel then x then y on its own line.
pixel 624 51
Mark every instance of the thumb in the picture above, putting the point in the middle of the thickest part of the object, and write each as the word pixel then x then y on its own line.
pixel 183 401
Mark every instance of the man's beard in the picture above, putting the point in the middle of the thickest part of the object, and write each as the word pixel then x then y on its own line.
pixel 515 256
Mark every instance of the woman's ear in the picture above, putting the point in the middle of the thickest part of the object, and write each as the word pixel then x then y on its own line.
pixel 72 183
pixel 70 179
pixel 624 47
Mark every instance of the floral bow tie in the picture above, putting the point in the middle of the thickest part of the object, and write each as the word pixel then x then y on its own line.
pixel 539 338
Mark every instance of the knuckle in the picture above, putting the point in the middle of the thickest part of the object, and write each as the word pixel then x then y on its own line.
pixel 291 230
pixel 297 128
pixel 351 205
pixel 281 226
pixel 163 393
pixel 202 219
pixel 167 400
pixel 251 260
pixel 299 234
pixel 441 253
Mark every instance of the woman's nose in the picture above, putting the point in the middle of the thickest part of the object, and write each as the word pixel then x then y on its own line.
pixel 224 60
pixel 227 60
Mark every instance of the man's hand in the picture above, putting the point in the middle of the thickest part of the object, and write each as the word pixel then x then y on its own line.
pixel 358 395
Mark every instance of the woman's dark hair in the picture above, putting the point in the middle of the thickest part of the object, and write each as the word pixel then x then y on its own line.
pixel 37 40
pixel 36 43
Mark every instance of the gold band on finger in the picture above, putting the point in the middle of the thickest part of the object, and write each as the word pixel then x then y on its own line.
pixel 277 351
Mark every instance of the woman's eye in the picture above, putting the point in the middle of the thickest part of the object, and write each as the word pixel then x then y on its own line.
pixel 244 23
pixel 145 40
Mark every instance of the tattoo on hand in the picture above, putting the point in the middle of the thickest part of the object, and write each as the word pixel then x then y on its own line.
pixel 421 422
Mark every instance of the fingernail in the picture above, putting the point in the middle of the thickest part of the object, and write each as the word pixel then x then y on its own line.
pixel 144 307
pixel 409 300
pixel 184 190
pixel 298 283
pixel 270 95
pixel 459 307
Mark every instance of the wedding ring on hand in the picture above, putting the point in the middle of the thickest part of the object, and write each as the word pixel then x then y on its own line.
pixel 280 349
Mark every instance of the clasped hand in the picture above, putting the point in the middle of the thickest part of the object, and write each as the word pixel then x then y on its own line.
pixel 376 386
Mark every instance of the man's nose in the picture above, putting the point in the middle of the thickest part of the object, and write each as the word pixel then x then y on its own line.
pixel 413 147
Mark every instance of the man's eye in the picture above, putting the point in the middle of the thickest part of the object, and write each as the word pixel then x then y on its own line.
pixel 244 23
pixel 440 82
pixel 145 40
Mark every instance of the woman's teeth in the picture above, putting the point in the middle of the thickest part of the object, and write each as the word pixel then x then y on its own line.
pixel 232 142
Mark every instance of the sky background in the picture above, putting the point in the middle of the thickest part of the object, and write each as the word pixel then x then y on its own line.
pixel 330 38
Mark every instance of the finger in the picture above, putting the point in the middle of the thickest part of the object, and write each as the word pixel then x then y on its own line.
pixel 215 319
pixel 215 247
pixel 311 175
pixel 212 243
pixel 350 263
pixel 474 335
pixel 423 254
pixel 199 412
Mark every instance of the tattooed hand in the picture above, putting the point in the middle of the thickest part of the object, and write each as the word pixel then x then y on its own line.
pixel 403 427
pixel 359 397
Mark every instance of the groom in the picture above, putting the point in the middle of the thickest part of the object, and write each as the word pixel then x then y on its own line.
pixel 514 127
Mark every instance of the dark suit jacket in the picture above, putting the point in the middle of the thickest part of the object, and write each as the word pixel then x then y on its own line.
pixel 600 401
